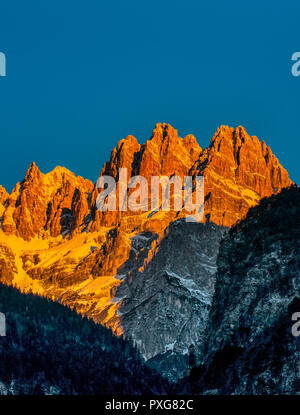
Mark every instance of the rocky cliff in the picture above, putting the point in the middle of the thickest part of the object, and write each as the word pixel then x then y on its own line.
pixel 249 346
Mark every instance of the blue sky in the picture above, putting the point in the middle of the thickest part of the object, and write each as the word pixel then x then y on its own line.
pixel 83 75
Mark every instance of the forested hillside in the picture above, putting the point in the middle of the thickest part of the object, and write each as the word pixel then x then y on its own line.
pixel 50 349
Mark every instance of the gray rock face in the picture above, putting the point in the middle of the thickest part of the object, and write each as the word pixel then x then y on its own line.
pixel 249 347
pixel 166 302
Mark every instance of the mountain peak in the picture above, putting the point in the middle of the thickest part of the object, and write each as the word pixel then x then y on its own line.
pixel 191 143
pixel 164 131
pixel 163 126
pixel 33 173
pixel 60 170
pixel 241 130
pixel 59 175
pixel 129 140
pixel 226 138
pixel 239 170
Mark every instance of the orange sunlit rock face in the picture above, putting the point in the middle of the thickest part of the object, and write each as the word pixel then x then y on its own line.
pixel 239 170
pixel 46 204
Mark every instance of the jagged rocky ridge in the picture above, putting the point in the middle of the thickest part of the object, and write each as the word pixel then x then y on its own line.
pixel 249 346
pixel 118 268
